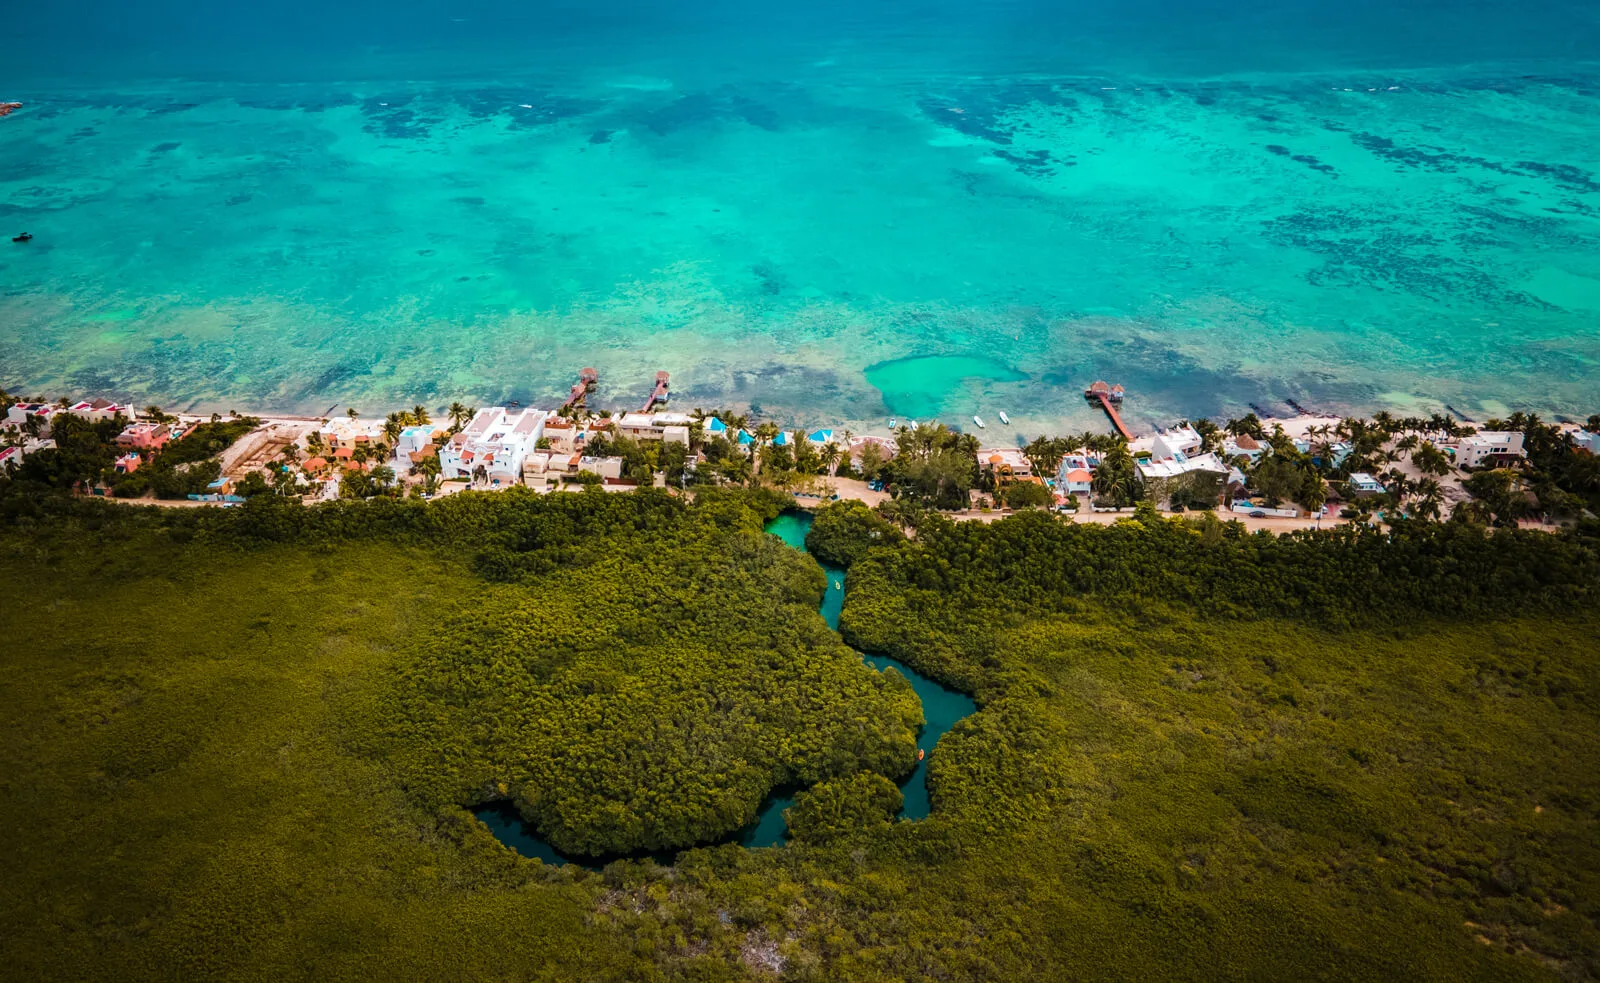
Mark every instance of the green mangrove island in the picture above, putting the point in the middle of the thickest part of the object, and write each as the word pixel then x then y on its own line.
pixel 289 742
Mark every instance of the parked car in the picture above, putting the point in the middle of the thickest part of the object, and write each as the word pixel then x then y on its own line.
pixel 1258 514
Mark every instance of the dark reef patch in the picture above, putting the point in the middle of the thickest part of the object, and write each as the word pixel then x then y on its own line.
pixel 704 109
pixel 527 109
pixel 1034 163
pixel 342 372
pixel 1306 159
pixel 1386 253
pixel 394 118
pixel 770 277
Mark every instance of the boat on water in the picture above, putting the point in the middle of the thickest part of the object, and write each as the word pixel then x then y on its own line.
pixel 7 108
pixel 892 422
pixel 24 237
pixel 921 754
pixel 979 421
pixel 1005 419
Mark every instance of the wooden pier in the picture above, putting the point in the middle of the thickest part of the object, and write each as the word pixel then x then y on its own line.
pixel 581 389
pixel 658 396
pixel 1108 397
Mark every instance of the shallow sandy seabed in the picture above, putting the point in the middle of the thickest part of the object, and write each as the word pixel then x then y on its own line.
pixel 1208 246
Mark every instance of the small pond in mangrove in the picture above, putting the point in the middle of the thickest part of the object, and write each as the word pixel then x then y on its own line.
pixel 941 706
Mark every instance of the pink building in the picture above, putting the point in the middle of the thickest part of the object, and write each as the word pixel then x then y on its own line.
pixel 144 436
pixel 128 463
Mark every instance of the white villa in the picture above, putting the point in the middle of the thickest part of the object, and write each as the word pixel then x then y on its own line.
pixel 18 413
pixel 1177 442
pixel 1203 474
pixel 95 410
pixel 493 446
pixel 1153 470
pixel 1490 448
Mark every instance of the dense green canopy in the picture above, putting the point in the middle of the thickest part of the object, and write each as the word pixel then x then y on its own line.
pixel 238 745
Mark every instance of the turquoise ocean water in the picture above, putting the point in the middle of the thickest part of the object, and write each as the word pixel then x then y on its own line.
pixel 830 213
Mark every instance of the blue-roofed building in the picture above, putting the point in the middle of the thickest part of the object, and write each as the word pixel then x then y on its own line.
pixel 715 427
pixel 783 439
pixel 746 438
pixel 820 437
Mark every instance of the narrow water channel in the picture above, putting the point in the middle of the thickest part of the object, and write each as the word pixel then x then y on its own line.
pixel 941 707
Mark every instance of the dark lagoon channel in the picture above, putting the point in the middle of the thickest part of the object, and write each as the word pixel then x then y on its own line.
pixel 941 707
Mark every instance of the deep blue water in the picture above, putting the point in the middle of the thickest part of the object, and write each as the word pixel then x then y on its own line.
pixel 298 40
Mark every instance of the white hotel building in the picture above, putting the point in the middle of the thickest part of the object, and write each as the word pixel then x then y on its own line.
pixel 493 446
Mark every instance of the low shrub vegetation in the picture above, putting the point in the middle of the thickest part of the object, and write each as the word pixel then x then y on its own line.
pixel 242 743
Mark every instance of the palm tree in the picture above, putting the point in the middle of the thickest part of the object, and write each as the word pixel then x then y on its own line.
pixel 391 429
pixel 1397 483
pixel 382 475
pixel 284 481
pixel 351 413
pixel 419 415
pixel 458 412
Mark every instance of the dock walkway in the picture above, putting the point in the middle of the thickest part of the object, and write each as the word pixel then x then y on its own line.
pixel 1111 411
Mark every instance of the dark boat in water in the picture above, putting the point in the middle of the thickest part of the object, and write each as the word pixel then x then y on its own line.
pixel 24 237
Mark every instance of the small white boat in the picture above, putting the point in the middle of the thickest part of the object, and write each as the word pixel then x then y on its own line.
pixel 979 421
pixel 892 422
pixel 1005 419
